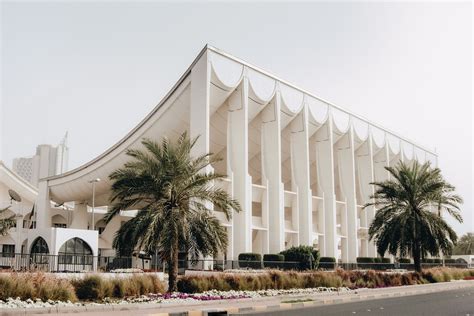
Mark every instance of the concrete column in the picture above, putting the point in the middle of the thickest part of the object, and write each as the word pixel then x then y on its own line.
pixel 238 160
pixel 365 163
pixel 80 217
pixel 301 174
pixel 345 148
pixel 43 206
pixel 271 171
pixel 380 161
pixel 325 171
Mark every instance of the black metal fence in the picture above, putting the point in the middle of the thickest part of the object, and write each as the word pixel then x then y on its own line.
pixel 84 263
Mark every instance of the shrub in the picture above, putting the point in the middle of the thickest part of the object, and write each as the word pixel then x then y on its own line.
pixel 250 260
pixel 273 260
pixel 90 287
pixel 365 260
pixel 327 263
pixel 303 255
pixel 385 260
pixel 327 259
pixel 449 260
pixel 404 260
pixel 273 257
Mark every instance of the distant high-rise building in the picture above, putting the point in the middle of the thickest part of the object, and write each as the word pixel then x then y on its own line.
pixel 48 161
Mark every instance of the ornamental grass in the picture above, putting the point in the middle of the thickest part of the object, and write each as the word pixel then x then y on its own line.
pixel 36 286
pixel 340 278
pixel 95 287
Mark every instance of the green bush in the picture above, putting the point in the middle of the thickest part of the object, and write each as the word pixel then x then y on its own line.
pixel 303 255
pixel 385 260
pixel 449 260
pixel 327 263
pixel 250 260
pixel 404 260
pixel 273 260
pixel 365 260
pixel 327 259
pixel 273 257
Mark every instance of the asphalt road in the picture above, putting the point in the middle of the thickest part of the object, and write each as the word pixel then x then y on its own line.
pixel 446 303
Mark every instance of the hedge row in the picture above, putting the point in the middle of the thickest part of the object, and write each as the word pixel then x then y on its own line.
pixel 372 260
pixel 290 280
pixel 306 257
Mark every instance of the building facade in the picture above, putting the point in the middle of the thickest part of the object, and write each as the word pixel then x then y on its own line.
pixel 48 161
pixel 299 165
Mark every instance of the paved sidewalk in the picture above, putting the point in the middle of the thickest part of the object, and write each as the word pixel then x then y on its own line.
pixel 242 305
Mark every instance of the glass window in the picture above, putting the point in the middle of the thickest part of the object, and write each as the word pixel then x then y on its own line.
pixel 75 251
pixel 39 251
pixel 39 246
pixel 8 251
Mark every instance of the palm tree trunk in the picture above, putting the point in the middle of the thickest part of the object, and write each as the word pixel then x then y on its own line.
pixel 417 257
pixel 173 270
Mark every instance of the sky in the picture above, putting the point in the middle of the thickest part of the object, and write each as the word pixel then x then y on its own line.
pixel 95 69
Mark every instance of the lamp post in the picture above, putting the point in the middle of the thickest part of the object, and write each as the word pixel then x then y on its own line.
pixel 94 181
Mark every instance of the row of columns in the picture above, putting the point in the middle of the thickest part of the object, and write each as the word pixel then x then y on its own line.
pixel 328 153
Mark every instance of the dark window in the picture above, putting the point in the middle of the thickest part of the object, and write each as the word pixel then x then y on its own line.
pixel 39 251
pixel 39 246
pixel 8 251
pixel 75 251
pixel 59 225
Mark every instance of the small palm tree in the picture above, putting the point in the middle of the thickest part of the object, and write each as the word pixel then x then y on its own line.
pixel 174 194
pixel 410 205
pixel 465 245
pixel 6 222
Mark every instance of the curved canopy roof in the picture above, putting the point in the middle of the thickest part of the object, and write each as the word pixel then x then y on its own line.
pixel 171 117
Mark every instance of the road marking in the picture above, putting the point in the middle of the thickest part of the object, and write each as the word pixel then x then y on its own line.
pixel 368 310
pixel 381 307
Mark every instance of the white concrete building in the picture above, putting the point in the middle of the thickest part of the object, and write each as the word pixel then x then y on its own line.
pixel 48 161
pixel 299 165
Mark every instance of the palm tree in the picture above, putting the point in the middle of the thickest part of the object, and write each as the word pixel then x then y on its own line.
pixel 5 222
pixel 408 220
pixel 465 245
pixel 174 193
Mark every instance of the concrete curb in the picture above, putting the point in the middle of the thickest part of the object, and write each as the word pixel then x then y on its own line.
pixel 260 304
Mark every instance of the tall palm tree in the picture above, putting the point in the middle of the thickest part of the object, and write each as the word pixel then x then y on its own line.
pixel 174 193
pixel 6 222
pixel 410 205
pixel 465 245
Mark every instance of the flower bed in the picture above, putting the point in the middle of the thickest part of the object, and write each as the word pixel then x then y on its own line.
pixel 168 298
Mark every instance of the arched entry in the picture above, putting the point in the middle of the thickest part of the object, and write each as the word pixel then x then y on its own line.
pixel 39 246
pixel 39 254
pixel 75 255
